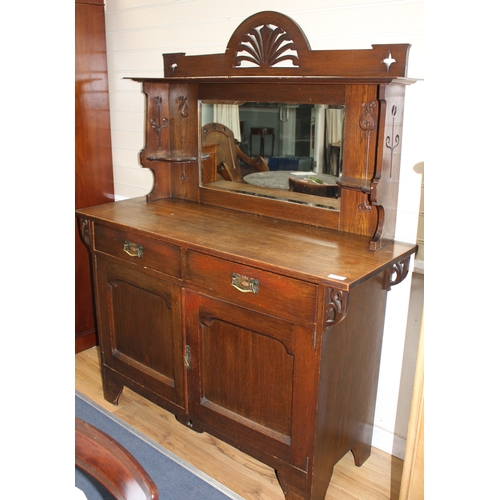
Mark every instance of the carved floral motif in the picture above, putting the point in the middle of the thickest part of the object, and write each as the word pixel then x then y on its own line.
pixel 183 106
pixel 266 46
pixel 367 123
pixel 156 125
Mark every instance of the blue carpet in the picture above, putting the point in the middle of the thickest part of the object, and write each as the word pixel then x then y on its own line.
pixel 174 478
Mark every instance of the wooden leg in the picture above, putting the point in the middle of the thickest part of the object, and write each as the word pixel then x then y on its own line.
pixel 112 389
pixel 293 483
pixel 292 496
pixel 296 489
pixel 361 452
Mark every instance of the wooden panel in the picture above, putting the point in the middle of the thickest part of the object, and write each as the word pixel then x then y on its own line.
pixel 324 93
pixel 140 331
pixel 348 386
pixel 276 294
pixel 386 180
pixel 93 163
pixel 135 333
pixel 238 365
pixel 358 162
pixel 155 255
pixel 242 374
pixel 183 102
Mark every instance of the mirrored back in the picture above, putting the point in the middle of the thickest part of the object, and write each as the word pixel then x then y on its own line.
pixel 281 150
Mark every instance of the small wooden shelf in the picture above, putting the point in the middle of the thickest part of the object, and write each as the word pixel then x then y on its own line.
pixel 354 184
pixel 173 158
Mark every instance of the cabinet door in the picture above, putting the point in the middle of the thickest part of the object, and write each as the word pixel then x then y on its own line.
pixel 251 379
pixel 140 330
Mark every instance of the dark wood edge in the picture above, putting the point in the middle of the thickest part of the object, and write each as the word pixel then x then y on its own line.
pixel 85 340
pixel 99 3
pixel 109 463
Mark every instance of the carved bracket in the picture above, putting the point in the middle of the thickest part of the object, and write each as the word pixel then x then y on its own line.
pixel 336 309
pixel 397 273
pixel 84 228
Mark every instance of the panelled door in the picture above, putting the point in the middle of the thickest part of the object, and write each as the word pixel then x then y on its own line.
pixel 140 327
pixel 247 380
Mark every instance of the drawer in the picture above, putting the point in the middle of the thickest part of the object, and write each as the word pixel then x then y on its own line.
pixel 140 250
pixel 248 286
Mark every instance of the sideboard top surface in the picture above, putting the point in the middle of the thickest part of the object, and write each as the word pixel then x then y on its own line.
pixel 291 249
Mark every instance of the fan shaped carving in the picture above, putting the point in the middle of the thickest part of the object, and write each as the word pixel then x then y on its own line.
pixel 266 46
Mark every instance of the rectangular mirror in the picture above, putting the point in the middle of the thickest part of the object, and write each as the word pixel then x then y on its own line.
pixel 284 151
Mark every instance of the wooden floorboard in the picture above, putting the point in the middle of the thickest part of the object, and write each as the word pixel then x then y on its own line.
pixel 378 479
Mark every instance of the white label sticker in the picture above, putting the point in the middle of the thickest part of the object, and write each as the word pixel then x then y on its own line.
pixel 337 277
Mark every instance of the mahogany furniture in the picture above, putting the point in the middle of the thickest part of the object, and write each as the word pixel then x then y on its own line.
pixel 109 463
pixel 257 315
pixel 93 164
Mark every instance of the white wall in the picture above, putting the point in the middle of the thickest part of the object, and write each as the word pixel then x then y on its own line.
pixel 139 31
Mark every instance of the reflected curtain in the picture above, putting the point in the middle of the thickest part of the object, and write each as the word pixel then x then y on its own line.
pixel 334 126
pixel 228 115
pixel 334 134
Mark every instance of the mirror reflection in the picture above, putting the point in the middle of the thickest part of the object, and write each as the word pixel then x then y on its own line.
pixel 276 150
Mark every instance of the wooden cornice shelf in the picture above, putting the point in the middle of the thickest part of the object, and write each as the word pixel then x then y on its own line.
pixel 283 79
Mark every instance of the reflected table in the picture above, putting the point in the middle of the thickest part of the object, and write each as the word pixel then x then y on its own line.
pixel 280 179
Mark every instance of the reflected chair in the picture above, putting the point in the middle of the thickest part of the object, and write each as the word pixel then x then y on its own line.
pixel 110 464
pixel 310 187
pixel 230 158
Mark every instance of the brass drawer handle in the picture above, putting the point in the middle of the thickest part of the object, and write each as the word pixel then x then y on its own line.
pixel 245 284
pixel 132 249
